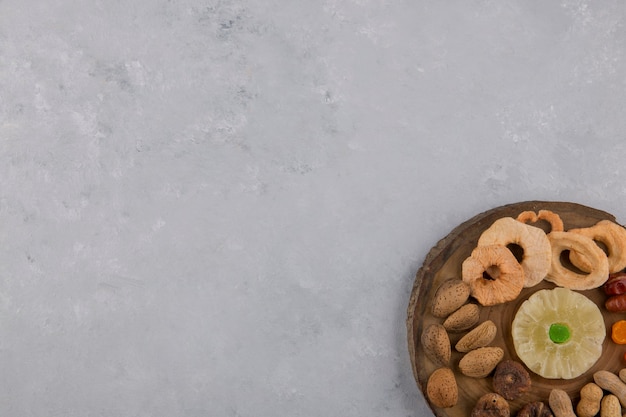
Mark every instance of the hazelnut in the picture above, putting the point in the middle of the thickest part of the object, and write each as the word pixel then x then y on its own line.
pixel 511 379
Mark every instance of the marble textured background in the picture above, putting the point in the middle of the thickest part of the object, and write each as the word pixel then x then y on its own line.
pixel 217 207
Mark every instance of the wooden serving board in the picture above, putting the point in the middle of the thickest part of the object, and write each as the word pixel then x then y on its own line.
pixel 444 261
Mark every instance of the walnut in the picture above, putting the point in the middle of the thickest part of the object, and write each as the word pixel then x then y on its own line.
pixel 491 405
pixel 511 379
pixel 535 409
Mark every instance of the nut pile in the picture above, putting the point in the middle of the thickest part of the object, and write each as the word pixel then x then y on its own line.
pixel 451 304
pixel 606 395
pixel 492 275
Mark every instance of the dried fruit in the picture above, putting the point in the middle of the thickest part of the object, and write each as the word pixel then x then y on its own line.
pixel 564 277
pixel 555 357
pixel 616 303
pixel 505 275
pixel 527 217
pixel 556 224
pixel 611 235
pixel 535 409
pixel 491 405
pixel 536 258
pixel 618 332
pixel 616 284
pixel 511 379
pixel 436 344
pixel 450 295
pixel 441 389
pixel 479 363
pixel 480 336
pixel 462 319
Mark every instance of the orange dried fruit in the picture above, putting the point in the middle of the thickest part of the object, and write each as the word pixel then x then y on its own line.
pixel 618 332
pixel 527 217
pixel 534 242
pixel 556 224
pixel 493 274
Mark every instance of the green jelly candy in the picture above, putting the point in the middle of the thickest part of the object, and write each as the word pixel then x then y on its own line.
pixel 559 332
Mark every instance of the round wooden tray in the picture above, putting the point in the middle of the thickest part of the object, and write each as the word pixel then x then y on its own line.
pixel 444 261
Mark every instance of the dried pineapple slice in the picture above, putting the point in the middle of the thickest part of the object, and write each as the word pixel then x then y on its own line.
pixel 558 333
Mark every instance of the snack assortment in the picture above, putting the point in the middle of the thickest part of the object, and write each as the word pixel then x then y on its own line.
pixel 545 276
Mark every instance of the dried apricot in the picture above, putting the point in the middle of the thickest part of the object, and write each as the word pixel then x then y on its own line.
pixel 618 332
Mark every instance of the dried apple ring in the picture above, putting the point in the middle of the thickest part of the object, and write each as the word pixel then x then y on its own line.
pixel 556 224
pixel 493 274
pixel 610 234
pixel 536 258
pixel 598 262
pixel 527 217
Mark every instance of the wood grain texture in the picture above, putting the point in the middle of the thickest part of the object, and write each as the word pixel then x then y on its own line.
pixel 444 261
